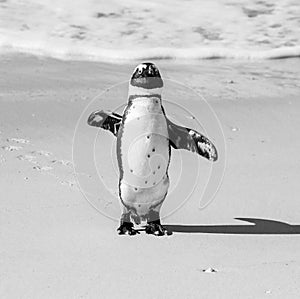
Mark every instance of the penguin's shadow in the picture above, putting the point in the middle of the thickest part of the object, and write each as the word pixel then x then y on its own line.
pixel 258 227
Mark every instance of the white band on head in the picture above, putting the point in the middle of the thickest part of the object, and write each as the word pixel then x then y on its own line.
pixel 134 90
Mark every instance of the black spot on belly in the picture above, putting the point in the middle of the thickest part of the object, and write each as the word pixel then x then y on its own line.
pixel 146 182
pixel 148 156
pixel 153 150
pixel 158 167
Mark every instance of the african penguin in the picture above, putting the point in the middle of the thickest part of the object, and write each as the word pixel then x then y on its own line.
pixel 144 139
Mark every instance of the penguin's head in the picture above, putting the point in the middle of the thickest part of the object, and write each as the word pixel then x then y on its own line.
pixel 146 75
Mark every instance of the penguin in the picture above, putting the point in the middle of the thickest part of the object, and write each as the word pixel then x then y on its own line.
pixel 145 137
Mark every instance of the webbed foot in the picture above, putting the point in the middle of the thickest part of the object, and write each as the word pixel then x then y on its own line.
pixel 155 228
pixel 127 228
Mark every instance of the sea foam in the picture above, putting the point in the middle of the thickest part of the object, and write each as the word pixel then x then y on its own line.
pixel 119 56
pixel 135 30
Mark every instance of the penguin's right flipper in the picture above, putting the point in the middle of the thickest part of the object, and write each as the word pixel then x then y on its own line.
pixel 106 120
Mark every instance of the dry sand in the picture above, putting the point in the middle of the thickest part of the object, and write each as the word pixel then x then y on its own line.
pixel 55 245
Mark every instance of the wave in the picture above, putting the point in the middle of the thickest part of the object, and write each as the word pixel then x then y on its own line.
pixel 116 31
pixel 120 31
pixel 118 56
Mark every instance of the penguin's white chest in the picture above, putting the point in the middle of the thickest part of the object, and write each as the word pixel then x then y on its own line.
pixel 144 145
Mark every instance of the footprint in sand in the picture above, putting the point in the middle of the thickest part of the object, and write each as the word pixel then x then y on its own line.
pixel 28 158
pixel 32 159
pixel 11 148
pixel 42 168
pixel 18 140
pixel 69 183
pixel 62 162
pixel 41 162
pixel 42 153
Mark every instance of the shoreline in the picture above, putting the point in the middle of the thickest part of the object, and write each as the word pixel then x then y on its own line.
pixel 234 78
pixel 72 52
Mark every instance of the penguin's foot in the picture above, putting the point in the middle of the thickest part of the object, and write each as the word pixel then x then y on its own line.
pixel 127 228
pixel 155 228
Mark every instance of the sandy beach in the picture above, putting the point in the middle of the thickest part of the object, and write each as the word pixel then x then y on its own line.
pixel 54 244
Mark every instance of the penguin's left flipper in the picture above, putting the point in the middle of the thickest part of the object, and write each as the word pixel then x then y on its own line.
pixel 191 140
pixel 106 120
